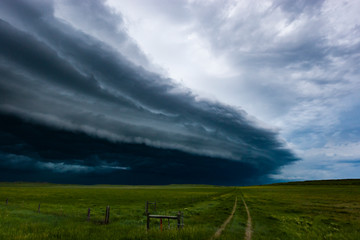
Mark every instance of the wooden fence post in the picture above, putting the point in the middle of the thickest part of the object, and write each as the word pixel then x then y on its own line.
pixel 146 207
pixel 178 219
pixel 88 215
pixel 182 219
pixel 161 224
pixel 38 208
pixel 107 215
pixel 147 221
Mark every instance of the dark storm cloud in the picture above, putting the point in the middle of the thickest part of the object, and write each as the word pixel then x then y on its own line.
pixel 58 76
pixel 28 155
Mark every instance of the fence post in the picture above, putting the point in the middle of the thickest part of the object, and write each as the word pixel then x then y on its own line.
pixel 88 215
pixel 38 208
pixel 178 219
pixel 161 225
pixel 147 221
pixel 107 215
pixel 146 207
pixel 182 219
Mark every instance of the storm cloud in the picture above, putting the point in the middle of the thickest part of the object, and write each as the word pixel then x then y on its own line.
pixel 76 107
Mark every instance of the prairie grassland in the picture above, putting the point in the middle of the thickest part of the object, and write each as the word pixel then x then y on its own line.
pixel 287 211
pixel 63 211
pixel 322 210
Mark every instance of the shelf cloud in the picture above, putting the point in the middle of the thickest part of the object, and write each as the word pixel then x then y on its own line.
pixel 90 107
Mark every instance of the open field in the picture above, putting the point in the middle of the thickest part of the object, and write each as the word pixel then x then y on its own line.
pixel 321 210
pixel 64 210
pixel 297 211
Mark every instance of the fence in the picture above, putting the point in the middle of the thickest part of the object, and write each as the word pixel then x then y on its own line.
pixel 179 217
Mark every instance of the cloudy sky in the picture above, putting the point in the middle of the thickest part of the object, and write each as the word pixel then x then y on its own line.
pixel 185 91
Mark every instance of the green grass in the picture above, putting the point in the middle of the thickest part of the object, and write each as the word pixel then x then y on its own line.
pixel 64 209
pixel 309 210
pixel 304 211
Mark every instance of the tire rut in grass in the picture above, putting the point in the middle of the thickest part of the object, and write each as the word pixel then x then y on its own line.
pixel 248 230
pixel 219 231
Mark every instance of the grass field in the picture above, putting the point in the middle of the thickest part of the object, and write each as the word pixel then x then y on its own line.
pixel 304 211
pixel 293 211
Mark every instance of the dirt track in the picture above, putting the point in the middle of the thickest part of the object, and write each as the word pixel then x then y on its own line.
pixel 248 231
pixel 219 231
